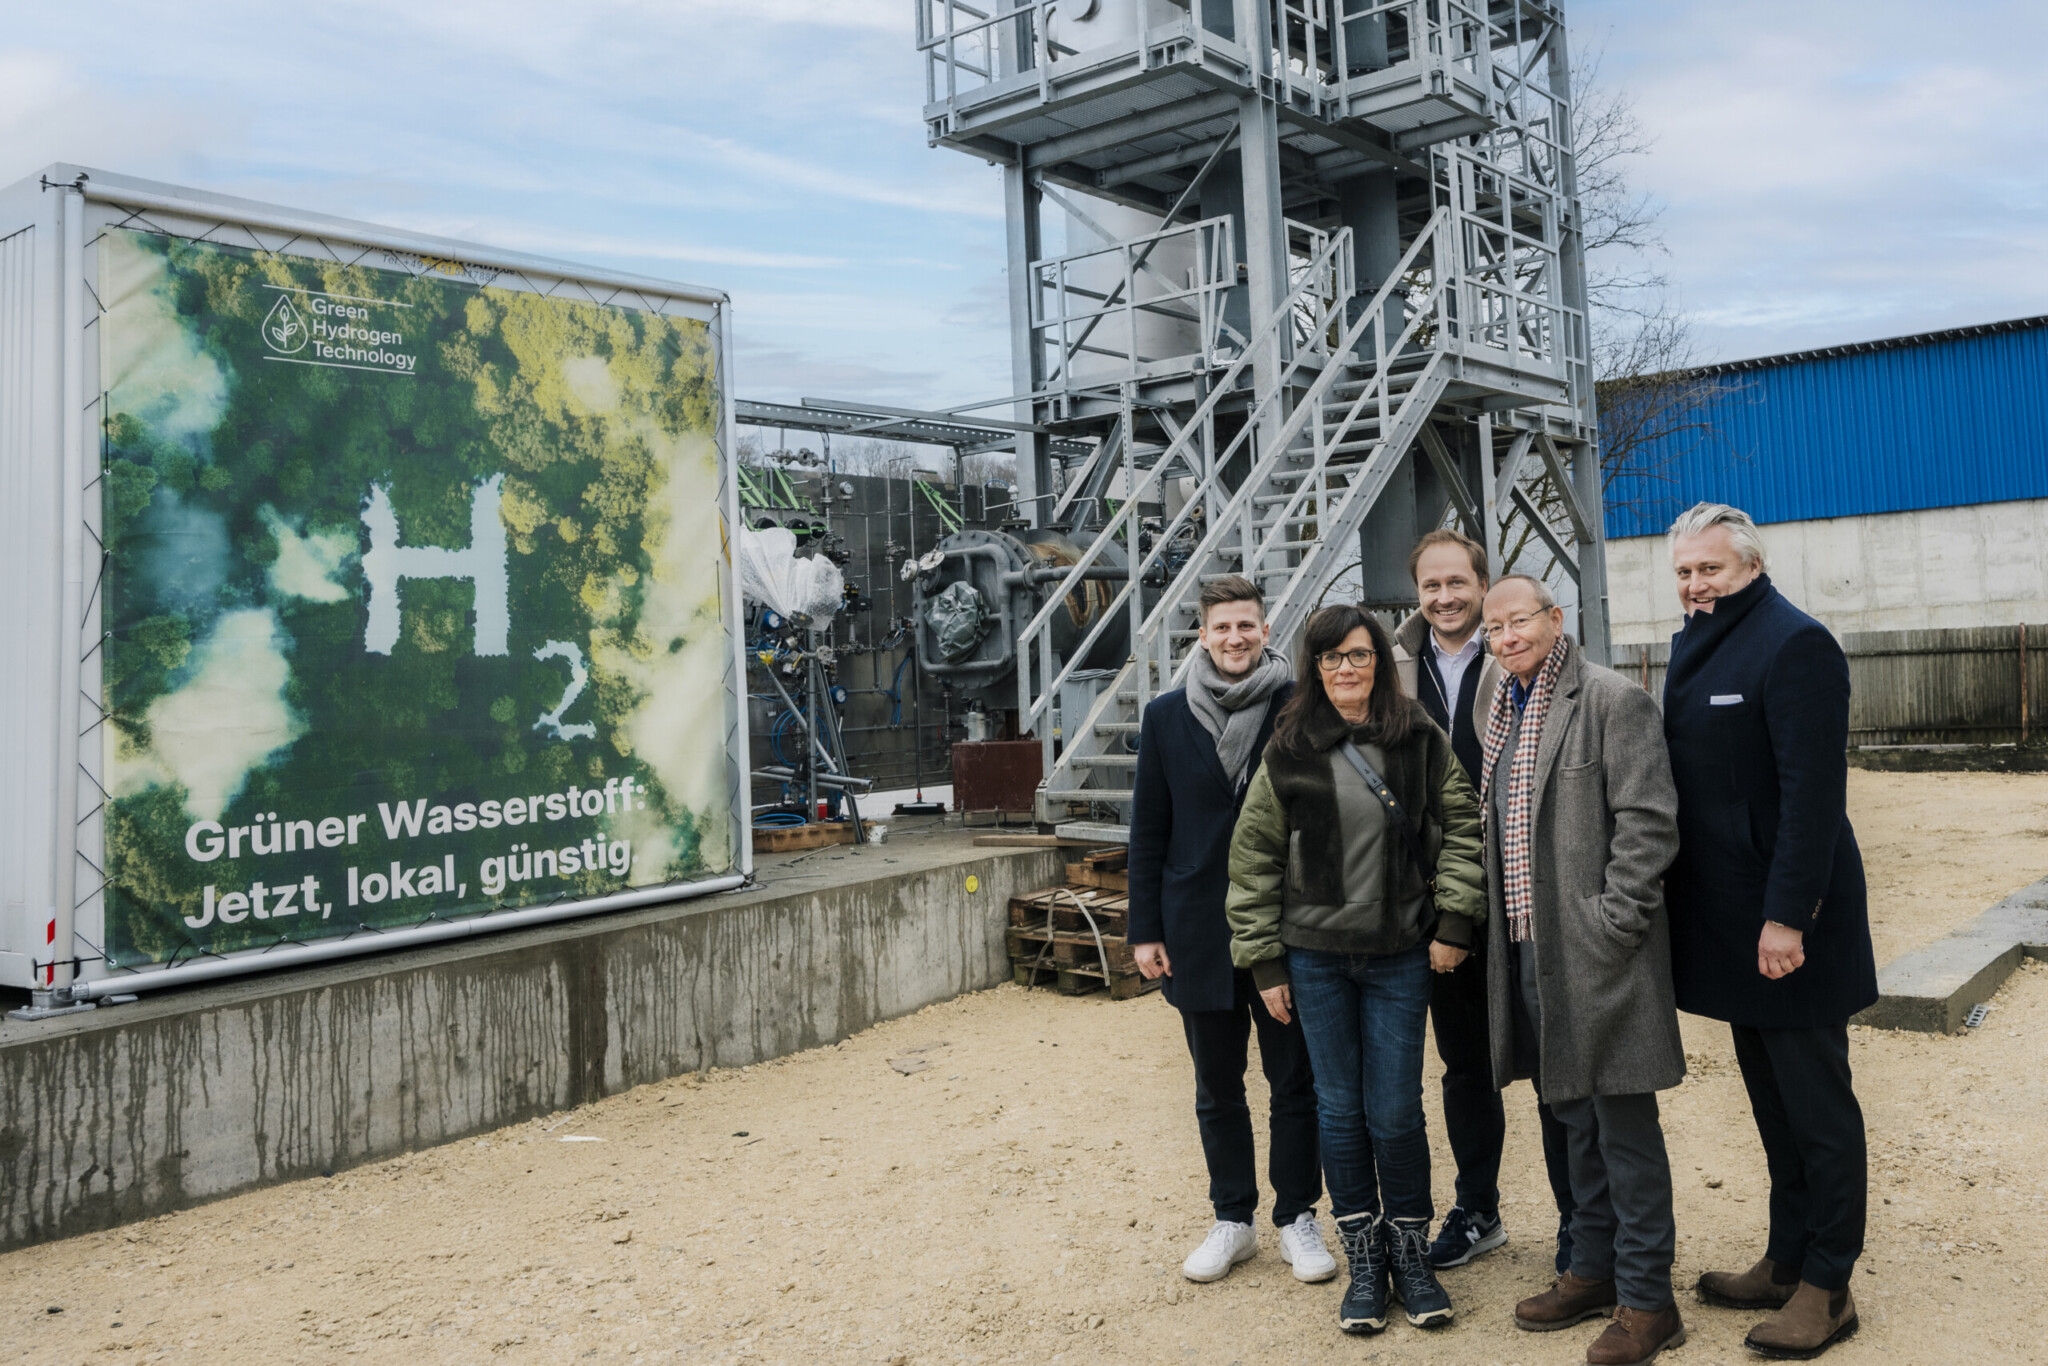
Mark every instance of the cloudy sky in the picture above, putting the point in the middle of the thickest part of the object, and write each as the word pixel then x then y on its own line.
pixel 1831 170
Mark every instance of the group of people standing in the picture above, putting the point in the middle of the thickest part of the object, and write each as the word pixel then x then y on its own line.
pixel 1466 824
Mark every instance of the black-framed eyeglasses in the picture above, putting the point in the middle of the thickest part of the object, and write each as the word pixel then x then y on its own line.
pixel 1329 661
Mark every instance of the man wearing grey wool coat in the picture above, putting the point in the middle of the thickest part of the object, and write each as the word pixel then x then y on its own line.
pixel 1581 823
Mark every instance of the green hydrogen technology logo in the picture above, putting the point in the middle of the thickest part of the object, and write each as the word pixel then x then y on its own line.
pixel 284 330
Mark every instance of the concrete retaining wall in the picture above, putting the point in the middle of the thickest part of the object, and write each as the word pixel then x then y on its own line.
pixel 134 1110
pixel 1983 565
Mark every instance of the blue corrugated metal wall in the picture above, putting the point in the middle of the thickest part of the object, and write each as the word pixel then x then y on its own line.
pixel 1943 424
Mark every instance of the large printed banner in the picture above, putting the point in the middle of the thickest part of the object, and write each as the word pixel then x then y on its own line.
pixel 412 604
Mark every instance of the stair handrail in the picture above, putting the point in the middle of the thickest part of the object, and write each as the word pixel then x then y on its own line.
pixel 1220 527
pixel 1375 318
pixel 1126 514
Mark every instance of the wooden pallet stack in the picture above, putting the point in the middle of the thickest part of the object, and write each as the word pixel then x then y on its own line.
pixel 1072 937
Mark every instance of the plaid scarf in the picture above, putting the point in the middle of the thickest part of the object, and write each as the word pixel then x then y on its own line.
pixel 1516 888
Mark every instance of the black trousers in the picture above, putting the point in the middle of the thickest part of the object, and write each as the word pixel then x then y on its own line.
pixel 1474 1120
pixel 1812 1130
pixel 1218 1042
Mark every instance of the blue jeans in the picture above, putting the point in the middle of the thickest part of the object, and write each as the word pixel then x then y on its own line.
pixel 1364 1016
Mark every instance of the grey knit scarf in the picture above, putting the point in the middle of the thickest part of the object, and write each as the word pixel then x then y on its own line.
pixel 1233 709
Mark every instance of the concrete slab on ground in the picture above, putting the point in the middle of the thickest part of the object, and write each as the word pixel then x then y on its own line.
pixel 1933 988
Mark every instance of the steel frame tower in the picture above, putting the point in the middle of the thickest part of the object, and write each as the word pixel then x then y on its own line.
pixel 1353 308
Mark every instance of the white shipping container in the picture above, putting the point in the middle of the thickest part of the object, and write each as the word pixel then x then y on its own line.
pixel 310 657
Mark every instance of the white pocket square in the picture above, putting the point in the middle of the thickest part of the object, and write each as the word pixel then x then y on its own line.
pixel 1724 699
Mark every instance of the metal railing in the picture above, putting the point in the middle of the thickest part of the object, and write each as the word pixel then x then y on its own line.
pixel 967 47
pixel 1447 38
pixel 1309 437
pixel 1092 303
pixel 1317 280
pixel 1511 295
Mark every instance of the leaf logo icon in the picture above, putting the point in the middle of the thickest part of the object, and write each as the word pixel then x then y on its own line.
pixel 284 330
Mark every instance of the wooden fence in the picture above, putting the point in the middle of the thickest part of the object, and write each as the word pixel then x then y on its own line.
pixel 1978 685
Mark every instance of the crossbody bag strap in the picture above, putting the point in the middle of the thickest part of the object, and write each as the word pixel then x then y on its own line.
pixel 1397 815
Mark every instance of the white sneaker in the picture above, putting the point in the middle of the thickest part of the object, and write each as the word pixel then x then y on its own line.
pixel 1226 1246
pixel 1301 1244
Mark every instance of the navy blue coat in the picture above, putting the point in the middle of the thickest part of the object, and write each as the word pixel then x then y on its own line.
pixel 1756 713
pixel 1182 815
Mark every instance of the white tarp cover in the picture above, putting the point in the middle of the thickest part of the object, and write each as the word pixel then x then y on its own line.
pixel 772 574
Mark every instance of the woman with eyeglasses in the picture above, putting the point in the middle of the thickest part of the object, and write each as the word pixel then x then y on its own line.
pixel 1355 872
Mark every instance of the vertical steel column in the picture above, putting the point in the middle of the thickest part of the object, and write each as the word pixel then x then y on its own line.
pixel 1489 505
pixel 1265 225
pixel 1022 204
pixel 811 697
pixel 1366 203
pixel 1588 479
pixel 58 977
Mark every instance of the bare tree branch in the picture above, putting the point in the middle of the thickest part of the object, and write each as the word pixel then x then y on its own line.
pixel 1654 404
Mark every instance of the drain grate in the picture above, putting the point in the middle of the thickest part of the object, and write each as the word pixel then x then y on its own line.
pixel 1976 1015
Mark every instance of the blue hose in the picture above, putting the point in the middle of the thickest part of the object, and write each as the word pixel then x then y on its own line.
pixel 895 692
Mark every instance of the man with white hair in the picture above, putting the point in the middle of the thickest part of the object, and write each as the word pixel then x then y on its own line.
pixel 1769 925
pixel 1581 822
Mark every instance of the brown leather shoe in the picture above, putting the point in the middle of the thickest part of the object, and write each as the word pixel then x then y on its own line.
pixel 1636 1336
pixel 1568 1301
pixel 1757 1288
pixel 1812 1321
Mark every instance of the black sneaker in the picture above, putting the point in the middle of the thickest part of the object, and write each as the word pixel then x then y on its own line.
pixel 1465 1235
pixel 1413 1279
pixel 1364 1240
pixel 1564 1245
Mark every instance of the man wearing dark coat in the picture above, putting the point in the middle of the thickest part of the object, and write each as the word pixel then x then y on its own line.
pixel 1198 748
pixel 1769 925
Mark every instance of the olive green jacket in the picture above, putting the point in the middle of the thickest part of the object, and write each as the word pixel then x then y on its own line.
pixel 1288 855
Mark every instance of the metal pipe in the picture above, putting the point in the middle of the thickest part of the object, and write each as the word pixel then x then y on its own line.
pixel 810 720
pixel 413 935
pixel 1053 573
pixel 59 975
pixel 802 720
pixel 782 773
pixel 739 744
pixel 390 239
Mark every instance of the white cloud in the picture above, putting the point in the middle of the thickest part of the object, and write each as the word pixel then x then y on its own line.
pixel 306 566
pixel 650 248
pixel 156 368
pixel 227 718
pixel 681 654
pixel 51 110
pixel 1827 181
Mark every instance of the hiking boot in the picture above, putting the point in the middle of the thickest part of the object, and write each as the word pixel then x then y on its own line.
pixel 1636 1336
pixel 1228 1244
pixel 1301 1247
pixel 1812 1321
pixel 1414 1279
pixel 1364 1241
pixel 1568 1301
pixel 1767 1285
pixel 1466 1234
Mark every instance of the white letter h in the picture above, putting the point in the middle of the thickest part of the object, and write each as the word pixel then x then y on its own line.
pixel 483 563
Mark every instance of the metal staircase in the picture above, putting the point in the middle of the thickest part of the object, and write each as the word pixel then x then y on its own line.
pixel 1322 443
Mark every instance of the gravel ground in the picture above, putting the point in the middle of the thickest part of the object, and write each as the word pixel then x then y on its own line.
pixel 1015 1176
